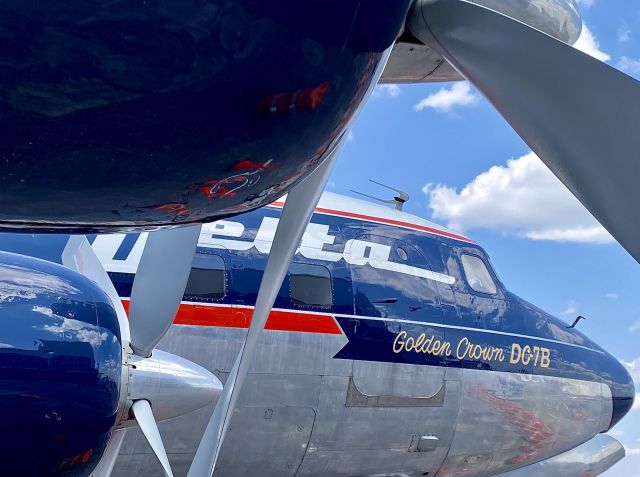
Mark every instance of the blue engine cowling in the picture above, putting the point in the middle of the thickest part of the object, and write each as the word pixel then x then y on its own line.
pixel 60 365
pixel 120 115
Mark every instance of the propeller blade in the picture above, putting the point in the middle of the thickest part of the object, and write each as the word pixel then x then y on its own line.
pixel 295 217
pixel 578 114
pixel 108 460
pixel 143 414
pixel 159 285
pixel 78 255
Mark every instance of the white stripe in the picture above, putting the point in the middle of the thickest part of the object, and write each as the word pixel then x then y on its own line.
pixel 398 320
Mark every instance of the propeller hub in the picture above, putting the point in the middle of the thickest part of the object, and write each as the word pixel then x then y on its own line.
pixel 173 385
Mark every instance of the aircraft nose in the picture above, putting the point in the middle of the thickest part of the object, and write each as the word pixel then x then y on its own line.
pixel 623 390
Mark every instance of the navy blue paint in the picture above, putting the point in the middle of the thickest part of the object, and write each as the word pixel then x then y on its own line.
pixel 60 361
pixel 119 115
pixel 372 340
pixel 126 246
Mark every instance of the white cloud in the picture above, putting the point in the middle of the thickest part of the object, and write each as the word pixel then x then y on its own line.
pixel 588 44
pixel 634 369
pixel 635 327
pixel 23 283
pixel 446 99
pixel 522 198
pixel 611 296
pixel 586 3
pixel 578 234
pixel 571 309
pixel 624 34
pixel 632 450
pixel 386 91
pixel 629 65
pixel 76 329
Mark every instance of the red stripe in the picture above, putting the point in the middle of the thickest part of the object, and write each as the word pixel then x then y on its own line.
pixel 353 215
pixel 229 317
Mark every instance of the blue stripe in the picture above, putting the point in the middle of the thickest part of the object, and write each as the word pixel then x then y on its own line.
pixel 126 246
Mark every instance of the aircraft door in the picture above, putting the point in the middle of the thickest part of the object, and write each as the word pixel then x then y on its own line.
pixel 397 303
pixel 395 394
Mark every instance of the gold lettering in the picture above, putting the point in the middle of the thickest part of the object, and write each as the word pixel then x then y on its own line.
pixel 410 344
pixel 463 342
pixel 468 350
pixel 398 342
pixel 435 348
pixel 419 346
pixel 514 359
pixel 446 349
pixel 545 357
pixel 536 354
pixel 427 346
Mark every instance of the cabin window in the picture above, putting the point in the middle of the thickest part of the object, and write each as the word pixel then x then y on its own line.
pixel 477 274
pixel 207 280
pixel 310 285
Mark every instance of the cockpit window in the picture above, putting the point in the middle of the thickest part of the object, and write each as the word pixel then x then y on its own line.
pixel 478 275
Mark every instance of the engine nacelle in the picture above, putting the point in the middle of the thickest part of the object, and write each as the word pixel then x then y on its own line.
pixel 123 115
pixel 60 369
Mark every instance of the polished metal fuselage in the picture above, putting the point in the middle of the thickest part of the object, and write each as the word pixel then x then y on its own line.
pixel 298 414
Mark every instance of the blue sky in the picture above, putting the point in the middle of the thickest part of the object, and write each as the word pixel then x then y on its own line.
pixel 441 143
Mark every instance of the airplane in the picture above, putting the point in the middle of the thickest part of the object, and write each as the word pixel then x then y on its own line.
pixel 126 117
pixel 392 349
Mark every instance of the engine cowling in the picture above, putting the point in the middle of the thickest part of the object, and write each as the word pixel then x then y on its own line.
pixel 124 115
pixel 60 369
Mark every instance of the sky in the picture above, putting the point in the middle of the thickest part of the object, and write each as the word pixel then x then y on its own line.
pixel 464 167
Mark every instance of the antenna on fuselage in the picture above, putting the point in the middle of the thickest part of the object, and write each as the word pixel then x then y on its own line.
pixel 397 200
pixel 573 325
